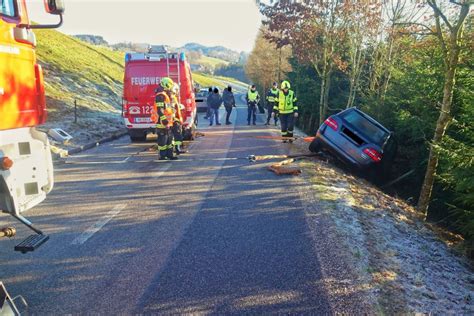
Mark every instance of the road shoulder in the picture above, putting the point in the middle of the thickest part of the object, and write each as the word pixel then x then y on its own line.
pixel 377 246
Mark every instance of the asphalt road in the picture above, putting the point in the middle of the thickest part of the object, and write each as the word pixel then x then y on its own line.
pixel 210 233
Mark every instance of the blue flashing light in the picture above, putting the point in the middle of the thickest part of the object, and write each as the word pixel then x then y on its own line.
pixel 127 57
pixel 182 56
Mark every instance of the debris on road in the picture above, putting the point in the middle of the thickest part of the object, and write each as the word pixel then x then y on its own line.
pixel 253 158
pixel 200 134
pixel 281 168
pixel 305 139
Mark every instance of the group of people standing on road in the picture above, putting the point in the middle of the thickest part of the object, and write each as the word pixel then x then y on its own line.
pixel 214 102
pixel 281 104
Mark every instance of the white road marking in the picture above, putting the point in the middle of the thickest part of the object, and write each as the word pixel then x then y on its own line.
pixel 97 226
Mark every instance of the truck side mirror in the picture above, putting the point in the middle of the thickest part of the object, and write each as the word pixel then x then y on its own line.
pixel 54 6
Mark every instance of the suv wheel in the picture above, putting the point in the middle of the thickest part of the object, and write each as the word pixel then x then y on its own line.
pixel 315 146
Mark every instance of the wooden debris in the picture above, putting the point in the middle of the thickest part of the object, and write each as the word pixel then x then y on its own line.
pixel 281 168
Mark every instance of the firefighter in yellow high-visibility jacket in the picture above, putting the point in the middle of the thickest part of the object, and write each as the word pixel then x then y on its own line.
pixel 164 119
pixel 287 110
pixel 177 128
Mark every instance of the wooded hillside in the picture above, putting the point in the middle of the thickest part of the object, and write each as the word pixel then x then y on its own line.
pixel 409 64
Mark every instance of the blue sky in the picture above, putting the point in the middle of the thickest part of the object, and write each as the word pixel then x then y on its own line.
pixel 230 23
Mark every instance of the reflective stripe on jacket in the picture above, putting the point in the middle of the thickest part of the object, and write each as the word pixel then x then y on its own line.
pixel 163 110
pixel 272 95
pixel 286 103
pixel 178 116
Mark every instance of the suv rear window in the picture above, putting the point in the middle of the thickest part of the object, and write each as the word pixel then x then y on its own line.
pixel 7 7
pixel 374 133
pixel 201 94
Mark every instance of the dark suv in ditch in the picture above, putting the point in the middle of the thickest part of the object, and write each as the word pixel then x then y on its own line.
pixel 357 139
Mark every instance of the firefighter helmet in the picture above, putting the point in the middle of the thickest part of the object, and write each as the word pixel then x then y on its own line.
pixel 167 83
pixel 285 85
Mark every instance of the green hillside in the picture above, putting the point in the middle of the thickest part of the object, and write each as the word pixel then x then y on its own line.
pixel 76 70
pixel 205 80
pixel 91 75
pixel 211 62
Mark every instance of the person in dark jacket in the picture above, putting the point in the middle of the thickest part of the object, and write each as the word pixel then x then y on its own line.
pixel 272 101
pixel 253 99
pixel 208 111
pixel 229 102
pixel 215 102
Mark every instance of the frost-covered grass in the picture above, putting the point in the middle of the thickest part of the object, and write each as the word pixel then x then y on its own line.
pixel 88 74
pixel 403 263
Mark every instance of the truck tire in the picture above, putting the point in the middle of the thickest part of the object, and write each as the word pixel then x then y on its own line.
pixel 190 133
pixel 315 146
pixel 137 136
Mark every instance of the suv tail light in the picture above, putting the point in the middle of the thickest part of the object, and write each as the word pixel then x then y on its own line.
pixel 373 154
pixel 331 123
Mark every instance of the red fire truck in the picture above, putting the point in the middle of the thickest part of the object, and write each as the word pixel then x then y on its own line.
pixel 26 169
pixel 143 72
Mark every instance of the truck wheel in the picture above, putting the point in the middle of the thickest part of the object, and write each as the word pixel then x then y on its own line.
pixel 190 133
pixel 137 136
pixel 315 146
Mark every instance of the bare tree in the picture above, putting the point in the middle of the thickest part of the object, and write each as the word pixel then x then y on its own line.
pixel 449 21
pixel 266 61
pixel 315 31
pixel 363 19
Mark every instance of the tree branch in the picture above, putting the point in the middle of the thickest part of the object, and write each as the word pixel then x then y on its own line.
pixel 462 16
pixel 455 2
pixel 439 34
pixel 434 6
pixel 426 27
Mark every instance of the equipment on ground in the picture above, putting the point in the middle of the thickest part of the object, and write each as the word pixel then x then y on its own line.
pixel 143 74
pixel 281 168
pixel 253 158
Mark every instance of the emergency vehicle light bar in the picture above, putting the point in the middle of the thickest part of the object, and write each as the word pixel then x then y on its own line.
pixel 150 56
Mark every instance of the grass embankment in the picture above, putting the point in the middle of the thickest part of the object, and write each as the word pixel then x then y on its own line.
pixel 205 80
pixel 77 70
pixel 92 75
